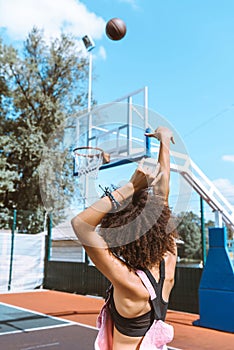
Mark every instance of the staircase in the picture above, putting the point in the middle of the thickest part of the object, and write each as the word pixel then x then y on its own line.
pixel 182 164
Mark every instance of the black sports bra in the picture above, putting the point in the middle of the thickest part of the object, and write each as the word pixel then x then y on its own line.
pixel 138 326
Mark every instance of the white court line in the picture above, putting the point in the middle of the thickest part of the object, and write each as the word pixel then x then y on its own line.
pixel 40 346
pixel 36 329
pixel 35 312
pixel 64 324
pixel 39 290
pixel 86 326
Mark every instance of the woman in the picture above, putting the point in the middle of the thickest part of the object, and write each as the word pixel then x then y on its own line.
pixel 134 236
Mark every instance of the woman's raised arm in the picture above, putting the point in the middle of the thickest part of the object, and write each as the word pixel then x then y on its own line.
pixel 165 136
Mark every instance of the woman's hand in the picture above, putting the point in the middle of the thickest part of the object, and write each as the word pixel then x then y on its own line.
pixel 162 134
pixel 145 177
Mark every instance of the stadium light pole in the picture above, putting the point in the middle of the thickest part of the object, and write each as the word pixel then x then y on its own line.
pixel 89 45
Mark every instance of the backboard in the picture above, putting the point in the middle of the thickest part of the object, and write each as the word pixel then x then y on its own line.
pixel 118 128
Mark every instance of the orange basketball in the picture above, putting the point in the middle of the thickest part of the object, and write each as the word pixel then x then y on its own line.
pixel 116 29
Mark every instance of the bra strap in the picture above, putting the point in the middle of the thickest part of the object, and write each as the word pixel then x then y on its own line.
pixel 147 283
pixel 153 287
pixel 162 270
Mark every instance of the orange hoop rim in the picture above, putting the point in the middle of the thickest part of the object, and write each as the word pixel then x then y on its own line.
pixel 87 147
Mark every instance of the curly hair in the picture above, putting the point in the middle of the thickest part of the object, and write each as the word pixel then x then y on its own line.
pixel 141 233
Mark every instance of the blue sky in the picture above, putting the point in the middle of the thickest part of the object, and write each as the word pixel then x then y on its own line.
pixel 182 50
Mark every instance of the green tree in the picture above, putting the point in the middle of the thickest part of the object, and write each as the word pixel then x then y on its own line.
pixel 230 232
pixel 190 232
pixel 41 86
pixel 7 173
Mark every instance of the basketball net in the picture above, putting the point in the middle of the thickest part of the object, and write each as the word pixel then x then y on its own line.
pixel 88 161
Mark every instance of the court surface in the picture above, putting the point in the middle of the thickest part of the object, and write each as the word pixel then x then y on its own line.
pixel 22 329
pixel 52 320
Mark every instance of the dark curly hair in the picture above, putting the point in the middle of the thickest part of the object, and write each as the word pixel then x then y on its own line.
pixel 142 232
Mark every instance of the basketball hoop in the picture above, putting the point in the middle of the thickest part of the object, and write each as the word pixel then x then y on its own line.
pixel 87 160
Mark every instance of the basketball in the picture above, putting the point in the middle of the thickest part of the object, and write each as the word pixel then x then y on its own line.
pixel 115 29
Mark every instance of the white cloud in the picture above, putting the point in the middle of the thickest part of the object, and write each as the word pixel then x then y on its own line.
pixel 102 52
pixel 132 3
pixel 226 188
pixel 70 16
pixel 228 158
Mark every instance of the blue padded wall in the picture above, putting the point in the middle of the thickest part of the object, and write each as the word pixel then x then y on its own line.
pixel 216 290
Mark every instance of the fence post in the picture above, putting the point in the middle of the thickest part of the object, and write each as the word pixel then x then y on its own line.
pixel 48 239
pixel 203 232
pixel 50 225
pixel 12 248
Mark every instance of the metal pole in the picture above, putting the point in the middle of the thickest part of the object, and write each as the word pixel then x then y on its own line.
pixel 90 121
pixel 203 232
pixel 89 44
pixel 218 219
pixel 12 248
pixel 146 106
pixel 90 80
pixel 48 238
pixel 50 224
pixel 147 144
pixel 129 121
